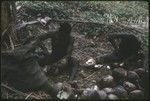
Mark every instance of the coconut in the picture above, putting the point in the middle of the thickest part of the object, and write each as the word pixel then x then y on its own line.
pixel 112 97
pixel 140 71
pixel 132 77
pixel 102 94
pixel 94 93
pixel 129 86
pixel 136 94
pixel 120 92
pixel 64 95
pixel 143 75
pixel 119 74
pixel 89 93
pixel 95 87
pixel 106 81
pixel 108 90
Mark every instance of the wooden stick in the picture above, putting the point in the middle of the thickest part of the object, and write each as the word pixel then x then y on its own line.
pixel 6 44
pixel 11 43
pixel 88 77
pixel 28 96
pixel 15 36
pixel 7 95
pixel 17 91
pixel 3 33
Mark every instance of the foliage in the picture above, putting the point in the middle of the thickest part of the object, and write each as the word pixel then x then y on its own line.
pixel 90 10
pixel 96 11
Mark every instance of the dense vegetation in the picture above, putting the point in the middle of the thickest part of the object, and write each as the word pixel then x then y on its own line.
pixel 108 12
pixel 98 11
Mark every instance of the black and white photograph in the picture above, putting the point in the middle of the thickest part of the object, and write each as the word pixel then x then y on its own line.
pixel 75 50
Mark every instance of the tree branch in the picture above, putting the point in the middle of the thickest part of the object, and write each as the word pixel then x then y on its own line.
pixel 18 92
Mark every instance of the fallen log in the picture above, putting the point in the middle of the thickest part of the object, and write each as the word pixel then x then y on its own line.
pixel 48 20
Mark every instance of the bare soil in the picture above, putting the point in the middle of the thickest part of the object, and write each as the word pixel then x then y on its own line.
pixel 84 49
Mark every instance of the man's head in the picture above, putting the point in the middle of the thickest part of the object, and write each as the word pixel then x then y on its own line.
pixel 65 28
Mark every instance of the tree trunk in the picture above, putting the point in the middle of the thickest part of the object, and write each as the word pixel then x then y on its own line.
pixel 8 35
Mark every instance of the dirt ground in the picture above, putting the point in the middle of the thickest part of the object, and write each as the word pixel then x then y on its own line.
pixel 84 49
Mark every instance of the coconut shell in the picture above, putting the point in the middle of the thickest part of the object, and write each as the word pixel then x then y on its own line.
pixel 120 92
pixel 129 86
pixel 136 94
pixel 102 94
pixel 107 81
pixel 112 97
pixel 132 77
pixel 108 90
pixel 119 74
pixel 90 94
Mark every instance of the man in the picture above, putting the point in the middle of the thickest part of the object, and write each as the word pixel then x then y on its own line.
pixel 62 47
pixel 62 44
pixel 21 70
pixel 128 47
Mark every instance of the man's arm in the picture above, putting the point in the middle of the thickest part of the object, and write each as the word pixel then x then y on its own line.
pixel 46 36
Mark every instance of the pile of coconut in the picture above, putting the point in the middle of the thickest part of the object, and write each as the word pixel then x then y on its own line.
pixel 119 84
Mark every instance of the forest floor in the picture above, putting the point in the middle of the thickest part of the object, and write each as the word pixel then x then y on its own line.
pixel 84 49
